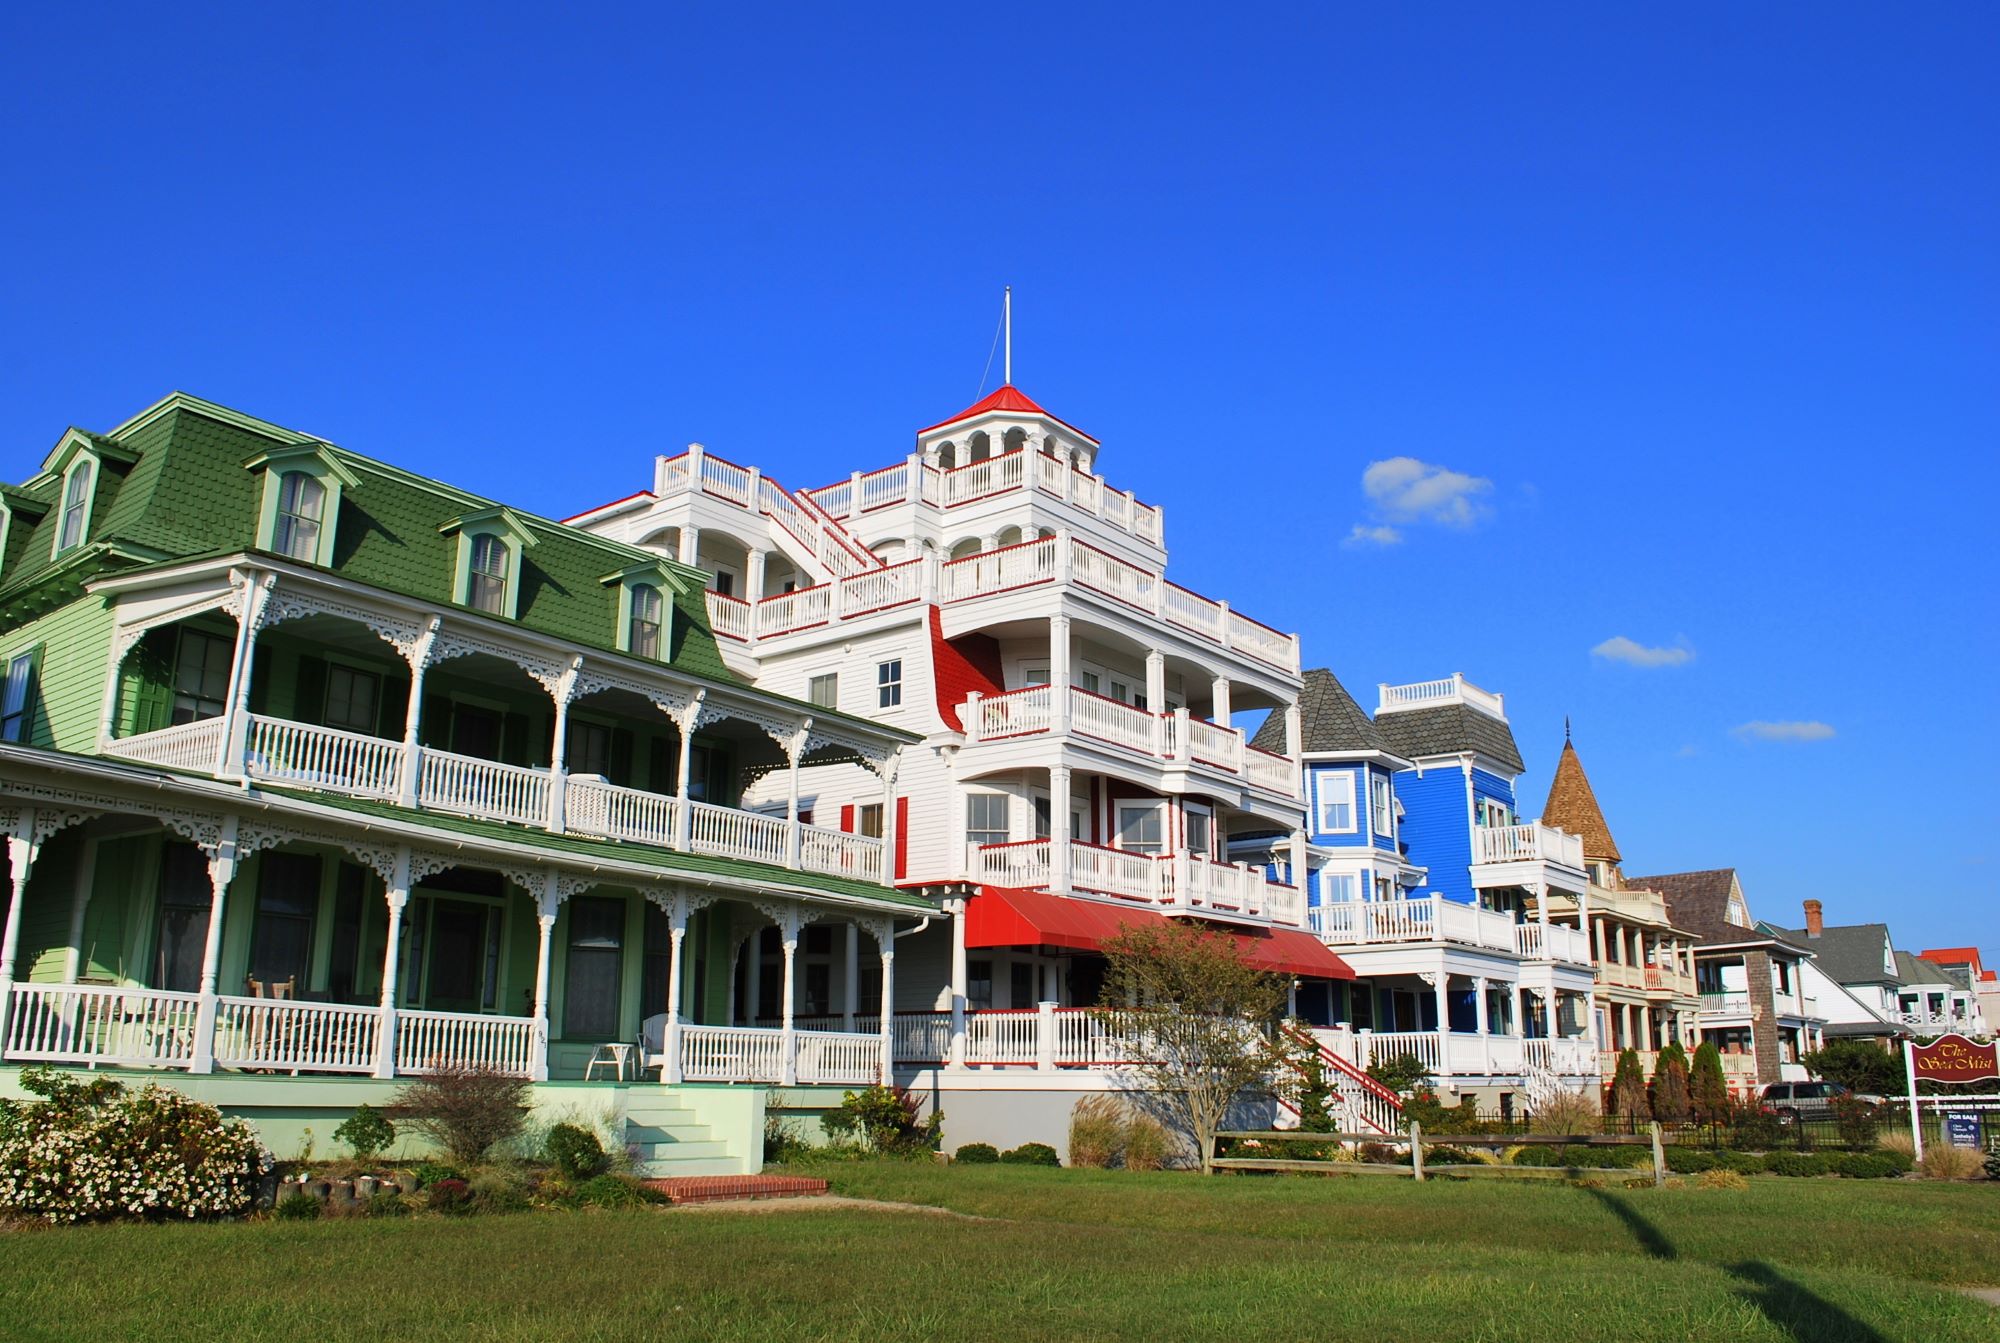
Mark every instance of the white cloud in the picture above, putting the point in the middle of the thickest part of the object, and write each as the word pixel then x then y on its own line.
pixel 1689 751
pixel 1364 536
pixel 1403 489
pixel 1809 730
pixel 1618 648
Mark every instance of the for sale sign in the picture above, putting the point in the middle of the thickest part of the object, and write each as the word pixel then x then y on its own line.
pixel 1953 1058
pixel 1961 1128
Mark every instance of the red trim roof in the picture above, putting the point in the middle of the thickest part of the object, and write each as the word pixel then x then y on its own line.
pixel 1952 956
pixel 636 494
pixel 999 917
pixel 1007 398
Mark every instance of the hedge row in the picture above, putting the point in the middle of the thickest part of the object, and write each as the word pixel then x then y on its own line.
pixel 1693 1160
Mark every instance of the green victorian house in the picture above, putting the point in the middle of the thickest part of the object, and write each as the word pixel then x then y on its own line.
pixel 316 773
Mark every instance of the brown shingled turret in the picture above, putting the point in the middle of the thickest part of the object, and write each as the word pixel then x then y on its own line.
pixel 1572 806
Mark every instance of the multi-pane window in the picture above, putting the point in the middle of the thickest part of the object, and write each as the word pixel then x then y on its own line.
pixel 642 636
pixel 986 818
pixel 201 676
pixel 1336 888
pixel 486 587
pixel 282 935
pixel 1142 828
pixel 1198 833
pixel 352 699
pixel 978 985
pixel 824 691
pixel 1382 804
pixel 76 507
pixel 301 505
pixel 588 748
pixel 868 820
pixel 1336 802
pixel 889 683
pixel 15 695
pixel 596 956
pixel 181 930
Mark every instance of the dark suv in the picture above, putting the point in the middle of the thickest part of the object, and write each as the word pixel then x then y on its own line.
pixel 1808 1100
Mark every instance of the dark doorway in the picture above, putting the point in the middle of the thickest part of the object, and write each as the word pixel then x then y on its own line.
pixel 458 939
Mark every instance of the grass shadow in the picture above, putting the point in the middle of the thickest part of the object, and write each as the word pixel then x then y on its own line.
pixel 1650 1237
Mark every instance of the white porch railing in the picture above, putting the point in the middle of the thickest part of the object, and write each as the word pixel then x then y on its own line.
pixel 1454 689
pixel 1002 1037
pixel 1551 942
pixel 838 1056
pixel 1466 1054
pixel 1165 881
pixel 732 1054
pixel 1427 919
pixel 1726 1004
pixel 737 834
pixel 1533 842
pixel 1114 721
pixel 593 807
pixel 728 615
pixel 486 788
pixel 296 1036
pixel 1001 570
pixel 282 751
pixel 427 1041
pixel 193 746
pixel 93 1024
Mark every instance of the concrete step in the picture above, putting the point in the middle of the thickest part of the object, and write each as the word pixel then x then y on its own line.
pixel 654 1170
pixel 690 1132
pixel 677 1151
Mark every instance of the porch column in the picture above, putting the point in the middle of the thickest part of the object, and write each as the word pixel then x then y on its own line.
pixel 413 754
pixel 670 1038
pixel 1542 912
pixel 1297 859
pixel 890 830
pixel 690 546
pixel 888 937
pixel 753 577
pixel 1059 673
pixel 559 743
pixel 398 896
pixel 221 871
pixel 545 926
pixel 959 975
pixel 21 853
pixel 686 722
pixel 1552 1008
pixel 236 703
pixel 1059 835
pixel 1479 1016
pixel 1443 990
pixel 1218 707
pixel 1516 1021
pixel 794 748
pixel 1156 682
pixel 788 932
pixel 850 978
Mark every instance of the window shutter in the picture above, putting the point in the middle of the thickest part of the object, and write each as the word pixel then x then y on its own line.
pixel 902 837
pixel 847 819
pixel 147 682
pixel 309 690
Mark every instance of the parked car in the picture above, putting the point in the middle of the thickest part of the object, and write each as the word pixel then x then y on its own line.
pixel 1790 1101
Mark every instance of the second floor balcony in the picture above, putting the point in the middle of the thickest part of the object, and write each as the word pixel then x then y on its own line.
pixel 1172 883
pixel 1433 919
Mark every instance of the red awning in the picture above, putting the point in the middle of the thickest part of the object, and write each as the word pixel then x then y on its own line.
pixel 997 917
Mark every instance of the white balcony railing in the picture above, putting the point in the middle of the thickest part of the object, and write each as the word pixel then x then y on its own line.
pixel 1551 942
pixel 1532 842
pixel 486 788
pixel 1726 1004
pixel 916 483
pixel 1171 738
pixel 1427 919
pixel 296 1036
pixel 192 746
pixel 92 1024
pixel 1170 882
pixel 1454 689
pixel 281 751
pixel 427 1041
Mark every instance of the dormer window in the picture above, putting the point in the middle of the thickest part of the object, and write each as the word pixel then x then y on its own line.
pixel 301 506
pixel 76 505
pixel 486 588
pixel 642 629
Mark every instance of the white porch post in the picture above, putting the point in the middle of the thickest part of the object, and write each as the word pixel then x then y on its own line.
pixel 1479 1016
pixel 890 830
pixel 221 871
pixel 559 744
pixel 413 761
pixel 670 1038
pixel 1218 694
pixel 794 748
pixel 1059 836
pixel 398 896
pixel 888 939
pixel 1516 1021
pixel 753 578
pixel 236 704
pixel 22 851
pixel 1156 682
pixel 688 720
pixel 691 535
pixel 1552 1009
pixel 959 975
pixel 850 978
pixel 1059 673
pixel 1443 991
pixel 788 931
pixel 545 928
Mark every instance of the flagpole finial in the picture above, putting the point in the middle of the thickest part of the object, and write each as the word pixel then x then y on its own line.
pixel 1565 729
pixel 1007 320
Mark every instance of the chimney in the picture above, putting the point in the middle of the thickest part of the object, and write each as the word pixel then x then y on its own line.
pixel 1814 922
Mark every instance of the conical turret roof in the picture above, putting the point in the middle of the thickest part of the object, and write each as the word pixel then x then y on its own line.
pixel 1572 806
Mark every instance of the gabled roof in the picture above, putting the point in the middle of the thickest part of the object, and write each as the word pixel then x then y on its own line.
pixel 1917 970
pixel 1850 953
pixel 1329 720
pixel 1450 729
pixel 1008 398
pixel 1699 902
pixel 1572 806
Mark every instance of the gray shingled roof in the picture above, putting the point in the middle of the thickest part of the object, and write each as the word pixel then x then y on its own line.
pixel 1917 970
pixel 1329 720
pixel 1449 729
pixel 1699 902
pixel 1849 954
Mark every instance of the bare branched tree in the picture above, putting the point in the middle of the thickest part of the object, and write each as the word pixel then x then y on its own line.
pixel 1200 1020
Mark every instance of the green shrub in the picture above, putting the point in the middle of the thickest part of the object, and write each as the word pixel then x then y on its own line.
pixel 615 1191
pixel 1032 1154
pixel 366 1132
pixel 1743 1163
pixel 297 1207
pixel 1402 1074
pixel 452 1196
pixel 1859 1122
pixel 782 1146
pixel 1146 1143
pixel 92 1151
pixel 1624 1156
pixel 1865 1165
pixel 466 1111
pixel 977 1154
pixel 498 1191
pixel 575 1152
pixel 884 1119
pixel 432 1172
pixel 1689 1160
pixel 1449 1156
pixel 1751 1130
pixel 388 1204
pixel 1992 1165
pixel 1795 1163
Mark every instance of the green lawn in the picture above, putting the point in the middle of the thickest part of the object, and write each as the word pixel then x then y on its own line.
pixel 1065 1254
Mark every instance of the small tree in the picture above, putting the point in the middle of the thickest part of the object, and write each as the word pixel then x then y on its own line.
pixel 1404 1074
pixel 1671 1102
pixel 1628 1088
pixel 1707 1089
pixel 1307 1089
pixel 466 1111
pixel 1858 1065
pixel 1201 1017
pixel 366 1133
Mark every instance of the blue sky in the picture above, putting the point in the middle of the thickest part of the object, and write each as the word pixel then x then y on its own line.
pixel 1683 320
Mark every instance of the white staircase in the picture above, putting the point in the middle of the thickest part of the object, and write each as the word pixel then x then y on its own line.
pixel 666 1137
pixel 800 528
pixel 1541 1083
pixel 1367 1105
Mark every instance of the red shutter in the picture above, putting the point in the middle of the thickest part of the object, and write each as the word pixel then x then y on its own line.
pixel 847 819
pixel 902 838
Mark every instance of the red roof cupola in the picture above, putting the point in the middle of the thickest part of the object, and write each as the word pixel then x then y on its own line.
pixel 1002 421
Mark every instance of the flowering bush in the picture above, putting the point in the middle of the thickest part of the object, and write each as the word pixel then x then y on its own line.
pixel 95 1151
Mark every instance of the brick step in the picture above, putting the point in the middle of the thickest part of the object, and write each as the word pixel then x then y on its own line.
pixel 720 1188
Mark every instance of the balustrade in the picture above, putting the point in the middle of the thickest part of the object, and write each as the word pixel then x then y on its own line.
pixel 428 1041
pixel 190 746
pixel 484 788
pixel 296 1037
pixel 282 751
